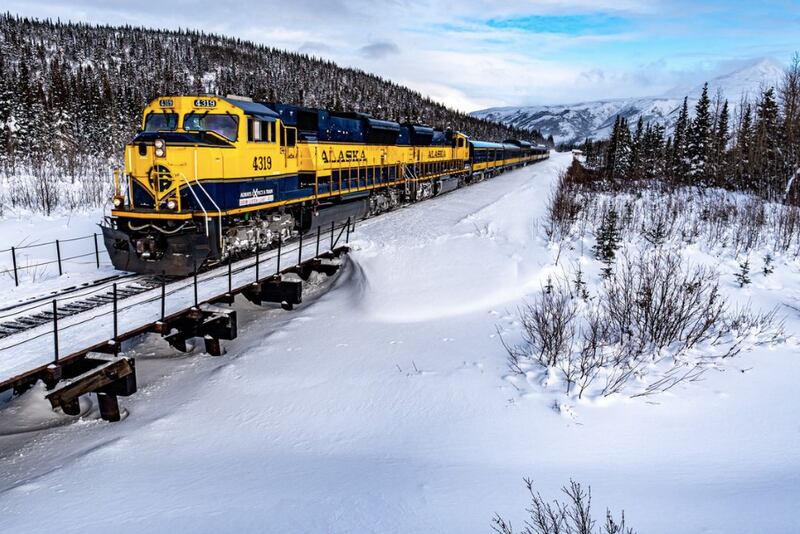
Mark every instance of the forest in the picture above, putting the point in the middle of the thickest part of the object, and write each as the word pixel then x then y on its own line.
pixel 71 96
pixel 754 150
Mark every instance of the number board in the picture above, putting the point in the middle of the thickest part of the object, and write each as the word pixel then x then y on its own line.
pixel 166 103
pixel 205 103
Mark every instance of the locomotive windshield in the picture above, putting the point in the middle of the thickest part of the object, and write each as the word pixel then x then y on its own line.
pixel 158 122
pixel 225 125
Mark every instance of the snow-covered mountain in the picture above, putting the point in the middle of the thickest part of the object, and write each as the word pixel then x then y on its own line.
pixel 575 122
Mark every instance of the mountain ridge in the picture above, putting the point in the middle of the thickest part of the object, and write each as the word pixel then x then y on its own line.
pixel 572 123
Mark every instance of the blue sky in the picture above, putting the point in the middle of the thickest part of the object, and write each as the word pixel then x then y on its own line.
pixel 472 54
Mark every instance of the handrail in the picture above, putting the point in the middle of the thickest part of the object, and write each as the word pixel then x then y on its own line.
pixel 191 190
pixel 205 213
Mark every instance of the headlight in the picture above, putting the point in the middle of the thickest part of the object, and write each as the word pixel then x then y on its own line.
pixel 118 202
pixel 159 143
pixel 160 152
pixel 171 204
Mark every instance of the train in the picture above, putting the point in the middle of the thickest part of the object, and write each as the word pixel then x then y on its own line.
pixel 212 178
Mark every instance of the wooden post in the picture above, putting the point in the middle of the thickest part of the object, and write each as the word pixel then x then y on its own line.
pixel 109 407
pixel 213 346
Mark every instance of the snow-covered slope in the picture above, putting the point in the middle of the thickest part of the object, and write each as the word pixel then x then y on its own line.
pixel 382 407
pixel 575 122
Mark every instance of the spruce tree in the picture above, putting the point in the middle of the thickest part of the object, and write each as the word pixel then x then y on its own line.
pixel 622 156
pixel 699 140
pixel 678 163
pixel 607 241
pixel 743 151
pixel 637 149
pixel 611 149
pixel 766 145
pixel 720 146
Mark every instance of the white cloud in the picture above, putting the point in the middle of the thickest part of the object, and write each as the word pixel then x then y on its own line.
pixel 444 49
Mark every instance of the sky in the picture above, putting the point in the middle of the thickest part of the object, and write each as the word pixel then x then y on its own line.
pixel 474 54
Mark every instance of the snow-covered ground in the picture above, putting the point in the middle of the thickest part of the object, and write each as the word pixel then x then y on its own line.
pixel 35 234
pixel 384 406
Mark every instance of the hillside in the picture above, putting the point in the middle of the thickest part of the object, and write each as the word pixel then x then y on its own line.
pixel 71 96
pixel 575 122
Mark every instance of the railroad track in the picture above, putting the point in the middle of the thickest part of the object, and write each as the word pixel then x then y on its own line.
pixel 34 312
pixel 61 292
pixel 31 313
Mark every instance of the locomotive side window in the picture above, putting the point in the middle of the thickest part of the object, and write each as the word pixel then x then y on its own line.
pixel 289 136
pixel 260 131
pixel 159 122
pixel 222 124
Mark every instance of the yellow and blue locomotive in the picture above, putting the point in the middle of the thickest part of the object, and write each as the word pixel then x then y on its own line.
pixel 209 177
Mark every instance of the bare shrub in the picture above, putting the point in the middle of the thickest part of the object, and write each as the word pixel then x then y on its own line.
pixel 562 210
pixel 43 188
pixel 640 327
pixel 654 300
pixel 572 515
pixel 548 325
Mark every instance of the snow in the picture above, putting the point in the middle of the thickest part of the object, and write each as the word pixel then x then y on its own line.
pixel 36 234
pixel 382 405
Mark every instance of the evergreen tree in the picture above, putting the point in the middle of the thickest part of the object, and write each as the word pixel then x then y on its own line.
pixel 607 241
pixel 622 157
pixel 611 149
pixel 766 145
pixel 721 138
pixel 699 140
pixel 744 147
pixel 637 149
pixel 790 104
pixel 678 162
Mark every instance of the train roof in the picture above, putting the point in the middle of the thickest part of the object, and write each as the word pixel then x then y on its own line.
pixel 486 144
pixel 518 142
pixel 252 108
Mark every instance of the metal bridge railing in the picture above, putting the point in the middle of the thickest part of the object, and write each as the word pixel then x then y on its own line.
pixel 185 292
